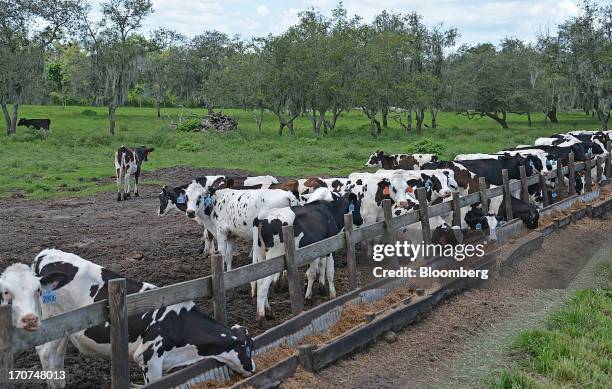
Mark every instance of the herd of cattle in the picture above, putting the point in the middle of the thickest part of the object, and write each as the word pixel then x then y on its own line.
pixel 254 210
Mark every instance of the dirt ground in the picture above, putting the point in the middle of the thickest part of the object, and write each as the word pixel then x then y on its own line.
pixel 113 234
pixel 465 338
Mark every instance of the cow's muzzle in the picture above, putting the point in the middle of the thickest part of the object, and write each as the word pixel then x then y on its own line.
pixel 29 322
pixel 191 214
pixel 403 204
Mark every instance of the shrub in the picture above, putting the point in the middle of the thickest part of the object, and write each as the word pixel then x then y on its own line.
pixel 189 125
pixel 426 145
pixel 88 112
pixel 188 145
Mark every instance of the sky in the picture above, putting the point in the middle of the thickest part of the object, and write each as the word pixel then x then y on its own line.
pixel 476 20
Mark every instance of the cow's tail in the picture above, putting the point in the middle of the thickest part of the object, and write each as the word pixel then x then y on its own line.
pixel 258 252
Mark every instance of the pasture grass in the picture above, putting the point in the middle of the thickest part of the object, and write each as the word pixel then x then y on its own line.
pixel 573 350
pixel 77 156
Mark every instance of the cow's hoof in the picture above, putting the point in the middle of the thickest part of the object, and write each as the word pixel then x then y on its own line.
pixel 136 194
pixel 119 197
pixel 126 196
pixel 269 313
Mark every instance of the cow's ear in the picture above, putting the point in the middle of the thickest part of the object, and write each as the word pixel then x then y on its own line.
pixel 53 280
pixel 150 150
pixel 352 198
pixel 229 183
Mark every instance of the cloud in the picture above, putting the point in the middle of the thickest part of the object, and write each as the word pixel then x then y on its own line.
pixel 262 10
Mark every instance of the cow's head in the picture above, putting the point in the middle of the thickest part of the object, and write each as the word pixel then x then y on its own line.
pixel 143 152
pixel 354 208
pixel 375 159
pixel 440 184
pixel 22 122
pixel 198 198
pixel 22 289
pixel 446 234
pixel 551 162
pixel 529 214
pixel 476 219
pixel 535 163
pixel 244 347
pixel 171 198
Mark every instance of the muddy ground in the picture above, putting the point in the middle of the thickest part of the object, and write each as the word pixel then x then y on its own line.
pixel 465 339
pixel 112 234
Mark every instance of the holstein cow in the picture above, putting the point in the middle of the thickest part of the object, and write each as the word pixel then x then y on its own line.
pixel 399 161
pixel 127 164
pixel 440 184
pixel 308 185
pixel 21 288
pixel 228 213
pixel 491 169
pixel 159 341
pixel 175 198
pixel 312 223
pixel 38 124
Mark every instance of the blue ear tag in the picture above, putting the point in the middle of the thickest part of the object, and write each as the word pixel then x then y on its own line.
pixel 479 226
pixel 351 208
pixel 553 195
pixel 427 184
pixel 181 199
pixel 49 296
pixel 208 200
pixel 531 164
pixel 590 151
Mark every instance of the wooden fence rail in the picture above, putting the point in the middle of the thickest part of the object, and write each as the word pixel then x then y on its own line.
pixel 119 307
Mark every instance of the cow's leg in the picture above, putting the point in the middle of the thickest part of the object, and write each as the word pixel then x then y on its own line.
pixel 263 285
pixel 229 254
pixel 330 275
pixel 311 273
pixel 222 246
pixel 51 356
pixel 126 179
pixel 152 369
pixel 136 176
pixel 119 172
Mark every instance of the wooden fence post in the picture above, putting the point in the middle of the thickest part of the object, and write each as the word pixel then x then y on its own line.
pixel 424 214
pixel 588 178
pixel 120 360
pixel 6 344
pixel 559 187
pixel 218 289
pixel 524 186
pixel 544 189
pixel 482 189
pixel 389 227
pixel 456 210
pixel 571 184
pixel 609 161
pixel 600 166
pixel 306 358
pixel 293 276
pixel 507 195
pixel 350 250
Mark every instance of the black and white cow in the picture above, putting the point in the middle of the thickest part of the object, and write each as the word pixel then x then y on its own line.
pixel 159 341
pixel 228 213
pixel 312 223
pixel 21 288
pixel 528 213
pixel 310 184
pixel 127 164
pixel 491 169
pixel 399 161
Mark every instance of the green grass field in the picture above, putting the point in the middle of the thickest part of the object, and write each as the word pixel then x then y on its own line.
pixel 573 350
pixel 78 153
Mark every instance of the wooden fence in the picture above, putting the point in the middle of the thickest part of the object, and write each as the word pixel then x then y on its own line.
pixel 120 306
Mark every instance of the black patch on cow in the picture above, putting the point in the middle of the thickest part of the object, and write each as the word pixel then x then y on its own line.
pixel 60 273
pixel 93 290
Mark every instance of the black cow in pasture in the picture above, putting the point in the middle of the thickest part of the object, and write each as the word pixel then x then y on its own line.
pixel 160 340
pixel 37 124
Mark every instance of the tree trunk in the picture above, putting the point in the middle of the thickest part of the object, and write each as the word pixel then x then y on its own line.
pixel 330 125
pixel 529 119
pixel 10 128
pixel 291 128
pixel 552 115
pixel 385 113
pixel 420 116
pixel 501 120
pixel 409 125
pixel 320 123
pixel 111 117
pixel 545 118
pixel 603 119
pixel 434 124
pixel 158 107
pixel 260 119
pixel 281 126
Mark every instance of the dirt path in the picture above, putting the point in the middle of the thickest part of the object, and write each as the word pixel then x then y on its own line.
pixel 467 337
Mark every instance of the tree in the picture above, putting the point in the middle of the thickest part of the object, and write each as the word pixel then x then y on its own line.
pixel 116 49
pixel 22 45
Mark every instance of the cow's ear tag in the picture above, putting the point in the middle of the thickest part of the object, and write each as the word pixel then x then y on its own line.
pixel 49 296
pixel 181 199
pixel 590 151
pixel 427 184
pixel 553 195
pixel 531 164
pixel 207 200
pixel 410 189
pixel 386 191
pixel 351 208
pixel 479 226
